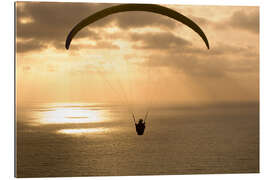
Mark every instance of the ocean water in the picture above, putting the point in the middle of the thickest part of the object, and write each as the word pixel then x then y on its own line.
pixel 83 139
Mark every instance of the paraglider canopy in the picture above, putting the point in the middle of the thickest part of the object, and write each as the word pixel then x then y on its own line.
pixel 136 7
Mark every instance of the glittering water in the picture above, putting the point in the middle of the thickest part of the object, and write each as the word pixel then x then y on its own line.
pixel 79 139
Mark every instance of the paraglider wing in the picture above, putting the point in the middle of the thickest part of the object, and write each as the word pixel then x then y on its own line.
pixel 136 7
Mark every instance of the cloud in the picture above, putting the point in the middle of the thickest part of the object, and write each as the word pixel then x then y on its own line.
pixel 29 45
pixel 239 20
pixel 98 45
pixel 143 19
pixel 248 21
pixel 221 49
pixel 160 41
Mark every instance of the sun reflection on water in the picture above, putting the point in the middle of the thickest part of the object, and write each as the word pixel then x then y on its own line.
pixel 81 131
pixel 71 113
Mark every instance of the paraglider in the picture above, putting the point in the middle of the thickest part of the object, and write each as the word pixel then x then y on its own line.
pixel 140 126
pixel 152 8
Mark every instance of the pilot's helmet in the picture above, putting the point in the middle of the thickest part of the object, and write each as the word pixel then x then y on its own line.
pixel 140 121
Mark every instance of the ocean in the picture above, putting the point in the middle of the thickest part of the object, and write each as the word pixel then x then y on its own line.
pixel 97 139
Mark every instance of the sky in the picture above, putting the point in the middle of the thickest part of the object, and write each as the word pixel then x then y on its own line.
pixel 136 56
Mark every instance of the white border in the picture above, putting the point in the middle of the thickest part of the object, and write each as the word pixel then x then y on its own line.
pixel 7 89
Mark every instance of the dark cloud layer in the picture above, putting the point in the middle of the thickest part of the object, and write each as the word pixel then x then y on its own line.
pixel 51 22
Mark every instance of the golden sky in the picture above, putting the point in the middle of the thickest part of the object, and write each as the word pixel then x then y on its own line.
pixel 133 55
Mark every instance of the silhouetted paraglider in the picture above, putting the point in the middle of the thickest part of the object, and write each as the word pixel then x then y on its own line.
pixel 152 8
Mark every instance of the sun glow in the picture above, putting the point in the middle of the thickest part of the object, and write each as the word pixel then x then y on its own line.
pixel 26 20
pixel 71 113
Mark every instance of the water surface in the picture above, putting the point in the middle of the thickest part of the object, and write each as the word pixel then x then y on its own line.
pixel 83 139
